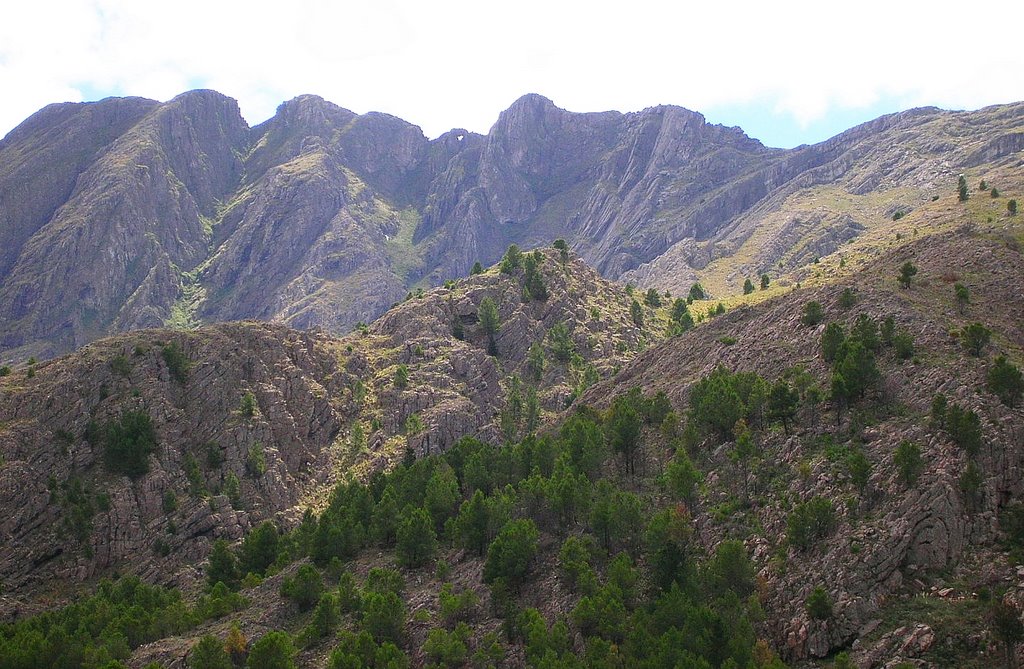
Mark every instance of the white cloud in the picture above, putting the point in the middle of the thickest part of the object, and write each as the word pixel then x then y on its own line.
pixel 458 63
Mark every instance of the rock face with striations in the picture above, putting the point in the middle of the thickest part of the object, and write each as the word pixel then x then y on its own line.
pixel 129 213
pixel 64 513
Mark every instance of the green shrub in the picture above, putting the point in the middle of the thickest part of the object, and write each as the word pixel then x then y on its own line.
pixel 209 653
pixel 446 648
pixel 456 607
pixel 819 604
pixel 255 461
pixel 259 549
pixel 512 260
pixel 813 314
pixel 304 588
pixel 274 650
pixel 416 539
pixel 909 465
pixel 810 521
pixel 128 444
pixel 383 616
pixel 223 565
pixel 177 363
pixel 510 556
pixel 1006 381
pixel 119 365
pixel 401 376
pixel 964 426
pixel 975 337
pixel 248 404
pixel 907 273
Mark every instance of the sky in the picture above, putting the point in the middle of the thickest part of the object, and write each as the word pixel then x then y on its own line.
pixel 786 72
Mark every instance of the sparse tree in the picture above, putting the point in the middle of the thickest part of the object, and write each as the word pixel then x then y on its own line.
pixel 813 314
pixel 975 337
pixel 1006 381
pixel 209 653
pixel 304 588
pixel 1011 207
pixel 223 566
pixel 962 194
pixel 907 273
pixel 563 249
pixel 490 321
pixel 938 410
pixel 908 462
pixel 636 312
pixel 748 287
pixel 477 268
pixel 847 298
pixel 401 376
pixel 697 290
pixel 535 361
pixel 274 650
pixel 859 468
pixel 416 540
pixel 765 280
pixel 1004 620
pixel 783 401
pixel 963 297
pixel 652 298
pixel 819 604
pixel 510 556
pixel 512 260
pixel 832 340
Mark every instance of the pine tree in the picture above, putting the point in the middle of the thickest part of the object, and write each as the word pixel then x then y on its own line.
pixel 209 653
pixel 976 336
pixel 490 321
pixel 963 297
pixel 416 540
pixel 908 462
pixel 962 189
pixel 748 287
pixel 907 273
pixel 636 312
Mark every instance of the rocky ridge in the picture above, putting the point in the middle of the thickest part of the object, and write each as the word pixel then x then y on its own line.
pixel 69 520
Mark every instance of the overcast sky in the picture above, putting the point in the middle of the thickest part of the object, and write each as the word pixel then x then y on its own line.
pixel 787 72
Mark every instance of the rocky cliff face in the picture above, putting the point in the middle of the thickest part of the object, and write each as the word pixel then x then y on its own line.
pixel 129 213
pixel 324 408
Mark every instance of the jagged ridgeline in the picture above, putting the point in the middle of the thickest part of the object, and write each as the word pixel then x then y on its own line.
pixel 129 213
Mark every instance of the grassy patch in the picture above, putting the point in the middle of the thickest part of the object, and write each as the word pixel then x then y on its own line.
pixel 405 257
pixel 954 622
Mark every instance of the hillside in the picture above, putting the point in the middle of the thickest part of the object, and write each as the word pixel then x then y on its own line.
pixel 666 530
pixel 899 554
pixel 128 213
pixel 320 409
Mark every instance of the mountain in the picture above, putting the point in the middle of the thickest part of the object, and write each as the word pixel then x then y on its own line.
pixel 128 213
pixel 694 546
